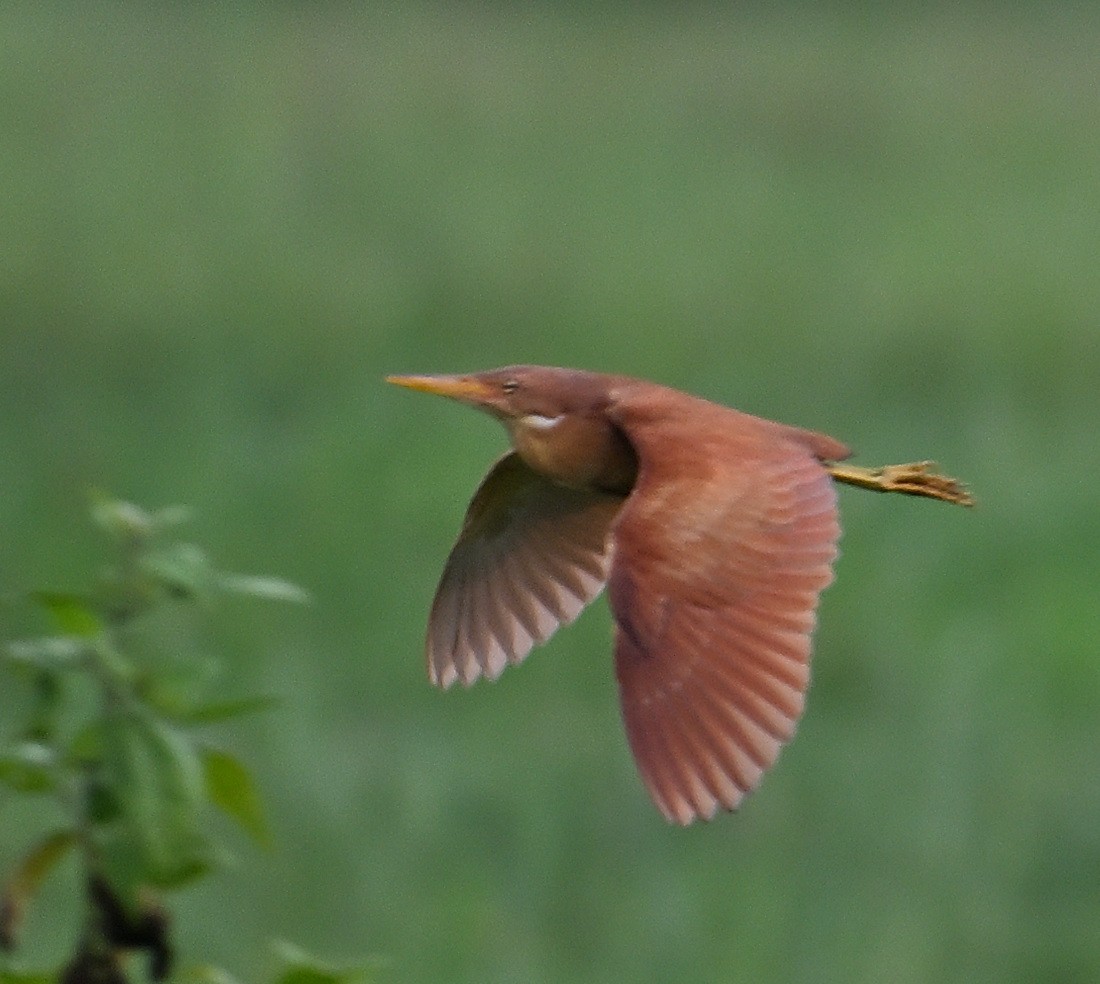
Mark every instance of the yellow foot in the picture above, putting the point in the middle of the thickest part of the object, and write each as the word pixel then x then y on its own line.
pixel 915 478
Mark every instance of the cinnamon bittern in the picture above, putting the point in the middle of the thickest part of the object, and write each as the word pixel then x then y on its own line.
pixel 714 531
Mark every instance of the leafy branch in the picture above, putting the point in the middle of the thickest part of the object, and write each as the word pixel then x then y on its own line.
pixel 128 767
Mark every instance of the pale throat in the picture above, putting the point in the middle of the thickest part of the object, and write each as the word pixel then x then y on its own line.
pixel 539 422
pixel 576 451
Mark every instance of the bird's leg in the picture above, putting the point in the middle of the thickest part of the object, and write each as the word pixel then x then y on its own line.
pixel 915 478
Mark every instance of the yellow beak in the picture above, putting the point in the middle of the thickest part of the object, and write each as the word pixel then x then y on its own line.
pixel 456 387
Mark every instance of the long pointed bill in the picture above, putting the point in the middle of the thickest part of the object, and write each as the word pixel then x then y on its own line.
pixel 465 388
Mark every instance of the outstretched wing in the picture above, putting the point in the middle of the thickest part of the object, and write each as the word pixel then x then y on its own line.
pixel 530 556
pixel 719 557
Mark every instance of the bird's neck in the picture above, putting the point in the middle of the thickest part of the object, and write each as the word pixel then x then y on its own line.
pixel 577 451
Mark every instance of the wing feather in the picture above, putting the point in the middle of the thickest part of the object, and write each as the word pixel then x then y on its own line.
pixel 531 555
pixel 719 556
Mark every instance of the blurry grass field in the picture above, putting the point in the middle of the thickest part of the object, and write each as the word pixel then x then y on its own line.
pixel 223 225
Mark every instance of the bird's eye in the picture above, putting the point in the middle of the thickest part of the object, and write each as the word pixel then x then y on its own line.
pixel 509 386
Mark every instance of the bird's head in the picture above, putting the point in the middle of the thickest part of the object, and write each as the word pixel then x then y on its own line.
pixel 556 418
pixel 539 395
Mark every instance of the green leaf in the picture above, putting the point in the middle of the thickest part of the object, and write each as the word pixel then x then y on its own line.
pixel 300 967
pixel 47 653
pixel 172 687
pixel 182 569
pixel 28 767
pixel 123 595
pixel 223 710
pixel 74 614
pixel 169 516
pixel 46 705
pixel 229 786
pixel 203 974
pixel 10 976
pixel 24 882
pixel 85 747
pixel 270 588
pixel 121 519
pixel 111 661
pixel 154 774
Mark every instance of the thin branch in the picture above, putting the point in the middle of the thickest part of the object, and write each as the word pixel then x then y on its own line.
pixel 915 478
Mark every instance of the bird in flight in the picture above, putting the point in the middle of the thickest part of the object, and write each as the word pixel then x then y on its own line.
pixel 713 531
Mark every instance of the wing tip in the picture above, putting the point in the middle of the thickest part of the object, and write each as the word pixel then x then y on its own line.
pixel 684 813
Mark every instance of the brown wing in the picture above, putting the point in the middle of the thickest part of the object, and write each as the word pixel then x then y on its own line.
pixel 530 556
pixel 719 557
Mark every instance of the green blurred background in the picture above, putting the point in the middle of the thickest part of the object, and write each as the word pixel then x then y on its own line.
pixel 223 224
